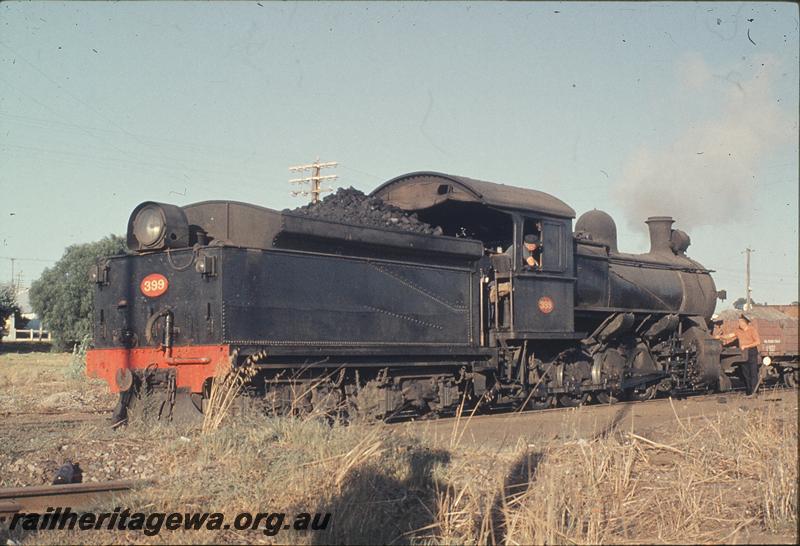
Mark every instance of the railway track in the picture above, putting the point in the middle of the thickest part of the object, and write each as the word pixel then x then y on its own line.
pixel 35 418
pixel 87 412
pixel 499 412
pixel 74 495
pixel 504 414
pixel 651 418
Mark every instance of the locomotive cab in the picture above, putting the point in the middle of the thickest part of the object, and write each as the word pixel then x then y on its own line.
pixel 526 293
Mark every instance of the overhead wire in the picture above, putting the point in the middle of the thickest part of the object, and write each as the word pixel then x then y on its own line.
pixel 106 142
pixel 49 123
pixel 27 259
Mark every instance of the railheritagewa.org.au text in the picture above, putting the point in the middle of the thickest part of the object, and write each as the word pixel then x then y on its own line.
pixel 153 523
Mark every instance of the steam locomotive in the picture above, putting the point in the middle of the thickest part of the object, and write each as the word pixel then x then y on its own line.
pixel 386 323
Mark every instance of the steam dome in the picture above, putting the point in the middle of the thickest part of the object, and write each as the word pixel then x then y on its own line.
pixel 600 226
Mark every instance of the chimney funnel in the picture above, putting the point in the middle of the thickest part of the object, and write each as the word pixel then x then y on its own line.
pixel 660 234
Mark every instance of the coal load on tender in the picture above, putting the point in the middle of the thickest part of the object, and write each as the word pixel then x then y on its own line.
pixel 351 206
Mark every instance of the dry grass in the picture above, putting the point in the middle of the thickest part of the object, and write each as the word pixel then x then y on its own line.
pixel 705 480
pixel 15 369
pixel 712 479
pixel 703 483
pixel 44 381
pixel 225 387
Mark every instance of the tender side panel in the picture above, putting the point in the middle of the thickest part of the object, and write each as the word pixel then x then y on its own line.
pixel 286 298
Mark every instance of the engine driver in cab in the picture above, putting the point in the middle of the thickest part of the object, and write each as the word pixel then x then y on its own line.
pixel 532 252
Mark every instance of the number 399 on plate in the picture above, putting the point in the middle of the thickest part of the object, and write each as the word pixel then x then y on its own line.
pixel 154 285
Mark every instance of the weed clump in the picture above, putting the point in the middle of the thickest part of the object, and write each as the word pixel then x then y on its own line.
pixel 76 369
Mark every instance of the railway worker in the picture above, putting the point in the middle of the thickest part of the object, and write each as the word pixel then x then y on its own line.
pixel 717 331
pixel 531 251
pixel 747 336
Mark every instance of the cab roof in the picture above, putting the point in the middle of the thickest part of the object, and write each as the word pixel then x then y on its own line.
pixel 426 189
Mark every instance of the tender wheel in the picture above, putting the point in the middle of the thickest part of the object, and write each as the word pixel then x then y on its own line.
pixel 572 400
pixel 790 377
pixel 640 394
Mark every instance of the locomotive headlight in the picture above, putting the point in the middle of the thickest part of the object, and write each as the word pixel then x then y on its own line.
pixel 154 226
pixel 148 225
pixel 767 361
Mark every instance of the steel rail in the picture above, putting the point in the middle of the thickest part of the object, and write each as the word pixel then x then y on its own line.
pixel 73 495
pixel 70 413
pixel 505 413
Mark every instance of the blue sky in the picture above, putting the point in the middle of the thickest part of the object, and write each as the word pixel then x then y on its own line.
pixel 636 109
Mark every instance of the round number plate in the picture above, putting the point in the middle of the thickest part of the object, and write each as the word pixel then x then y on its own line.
pixel 154 285
pixel 546 305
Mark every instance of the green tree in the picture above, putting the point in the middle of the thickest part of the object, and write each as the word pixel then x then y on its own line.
pixel 739 303
pixel 8 304
pixel 63 296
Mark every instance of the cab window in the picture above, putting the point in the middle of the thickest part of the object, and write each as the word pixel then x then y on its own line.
pixel 532 251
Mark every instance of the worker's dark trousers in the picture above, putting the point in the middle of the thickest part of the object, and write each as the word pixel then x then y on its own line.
pixel 750 370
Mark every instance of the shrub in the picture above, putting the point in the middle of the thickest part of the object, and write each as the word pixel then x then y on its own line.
pixel 63 295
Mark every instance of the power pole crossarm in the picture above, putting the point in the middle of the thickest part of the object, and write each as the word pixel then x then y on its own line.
pixel 312 178
pixel 315 165
pixel 315 179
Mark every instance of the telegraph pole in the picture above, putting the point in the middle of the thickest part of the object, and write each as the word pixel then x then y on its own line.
pixel 14 260
pixel 315 179
pixel 748 292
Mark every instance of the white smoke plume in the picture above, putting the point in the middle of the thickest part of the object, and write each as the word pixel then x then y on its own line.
pixel 709 174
